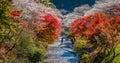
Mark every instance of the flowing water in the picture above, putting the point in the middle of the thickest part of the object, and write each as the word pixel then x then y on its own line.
pixel 60 53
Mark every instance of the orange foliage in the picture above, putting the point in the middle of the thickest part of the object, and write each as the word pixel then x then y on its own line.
pixel 98 22
pixel 51 30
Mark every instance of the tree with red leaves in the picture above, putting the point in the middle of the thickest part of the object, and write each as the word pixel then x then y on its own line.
pixel 100 31
pixel 51 30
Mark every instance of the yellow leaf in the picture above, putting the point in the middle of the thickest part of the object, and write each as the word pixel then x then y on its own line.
pixel 12 29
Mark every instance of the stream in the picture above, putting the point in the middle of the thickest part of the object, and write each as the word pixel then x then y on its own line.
pixel 60 53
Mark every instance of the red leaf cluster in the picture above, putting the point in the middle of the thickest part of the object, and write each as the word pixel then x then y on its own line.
pixel 49 31
pixel 52 29
pixel 95 23
pixel 15 13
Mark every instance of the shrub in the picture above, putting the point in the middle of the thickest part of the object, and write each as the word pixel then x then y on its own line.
pixel 25 49
pixel 78 45
pixel 37 56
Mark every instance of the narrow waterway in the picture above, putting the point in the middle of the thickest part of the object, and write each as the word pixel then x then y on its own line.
pixel 60 53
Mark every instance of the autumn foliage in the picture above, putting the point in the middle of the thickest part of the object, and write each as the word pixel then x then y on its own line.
pixel 100 32
pixel 92 24
pixel 47 27
pixel 15 13
pixel 51 31
pixel 25 30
